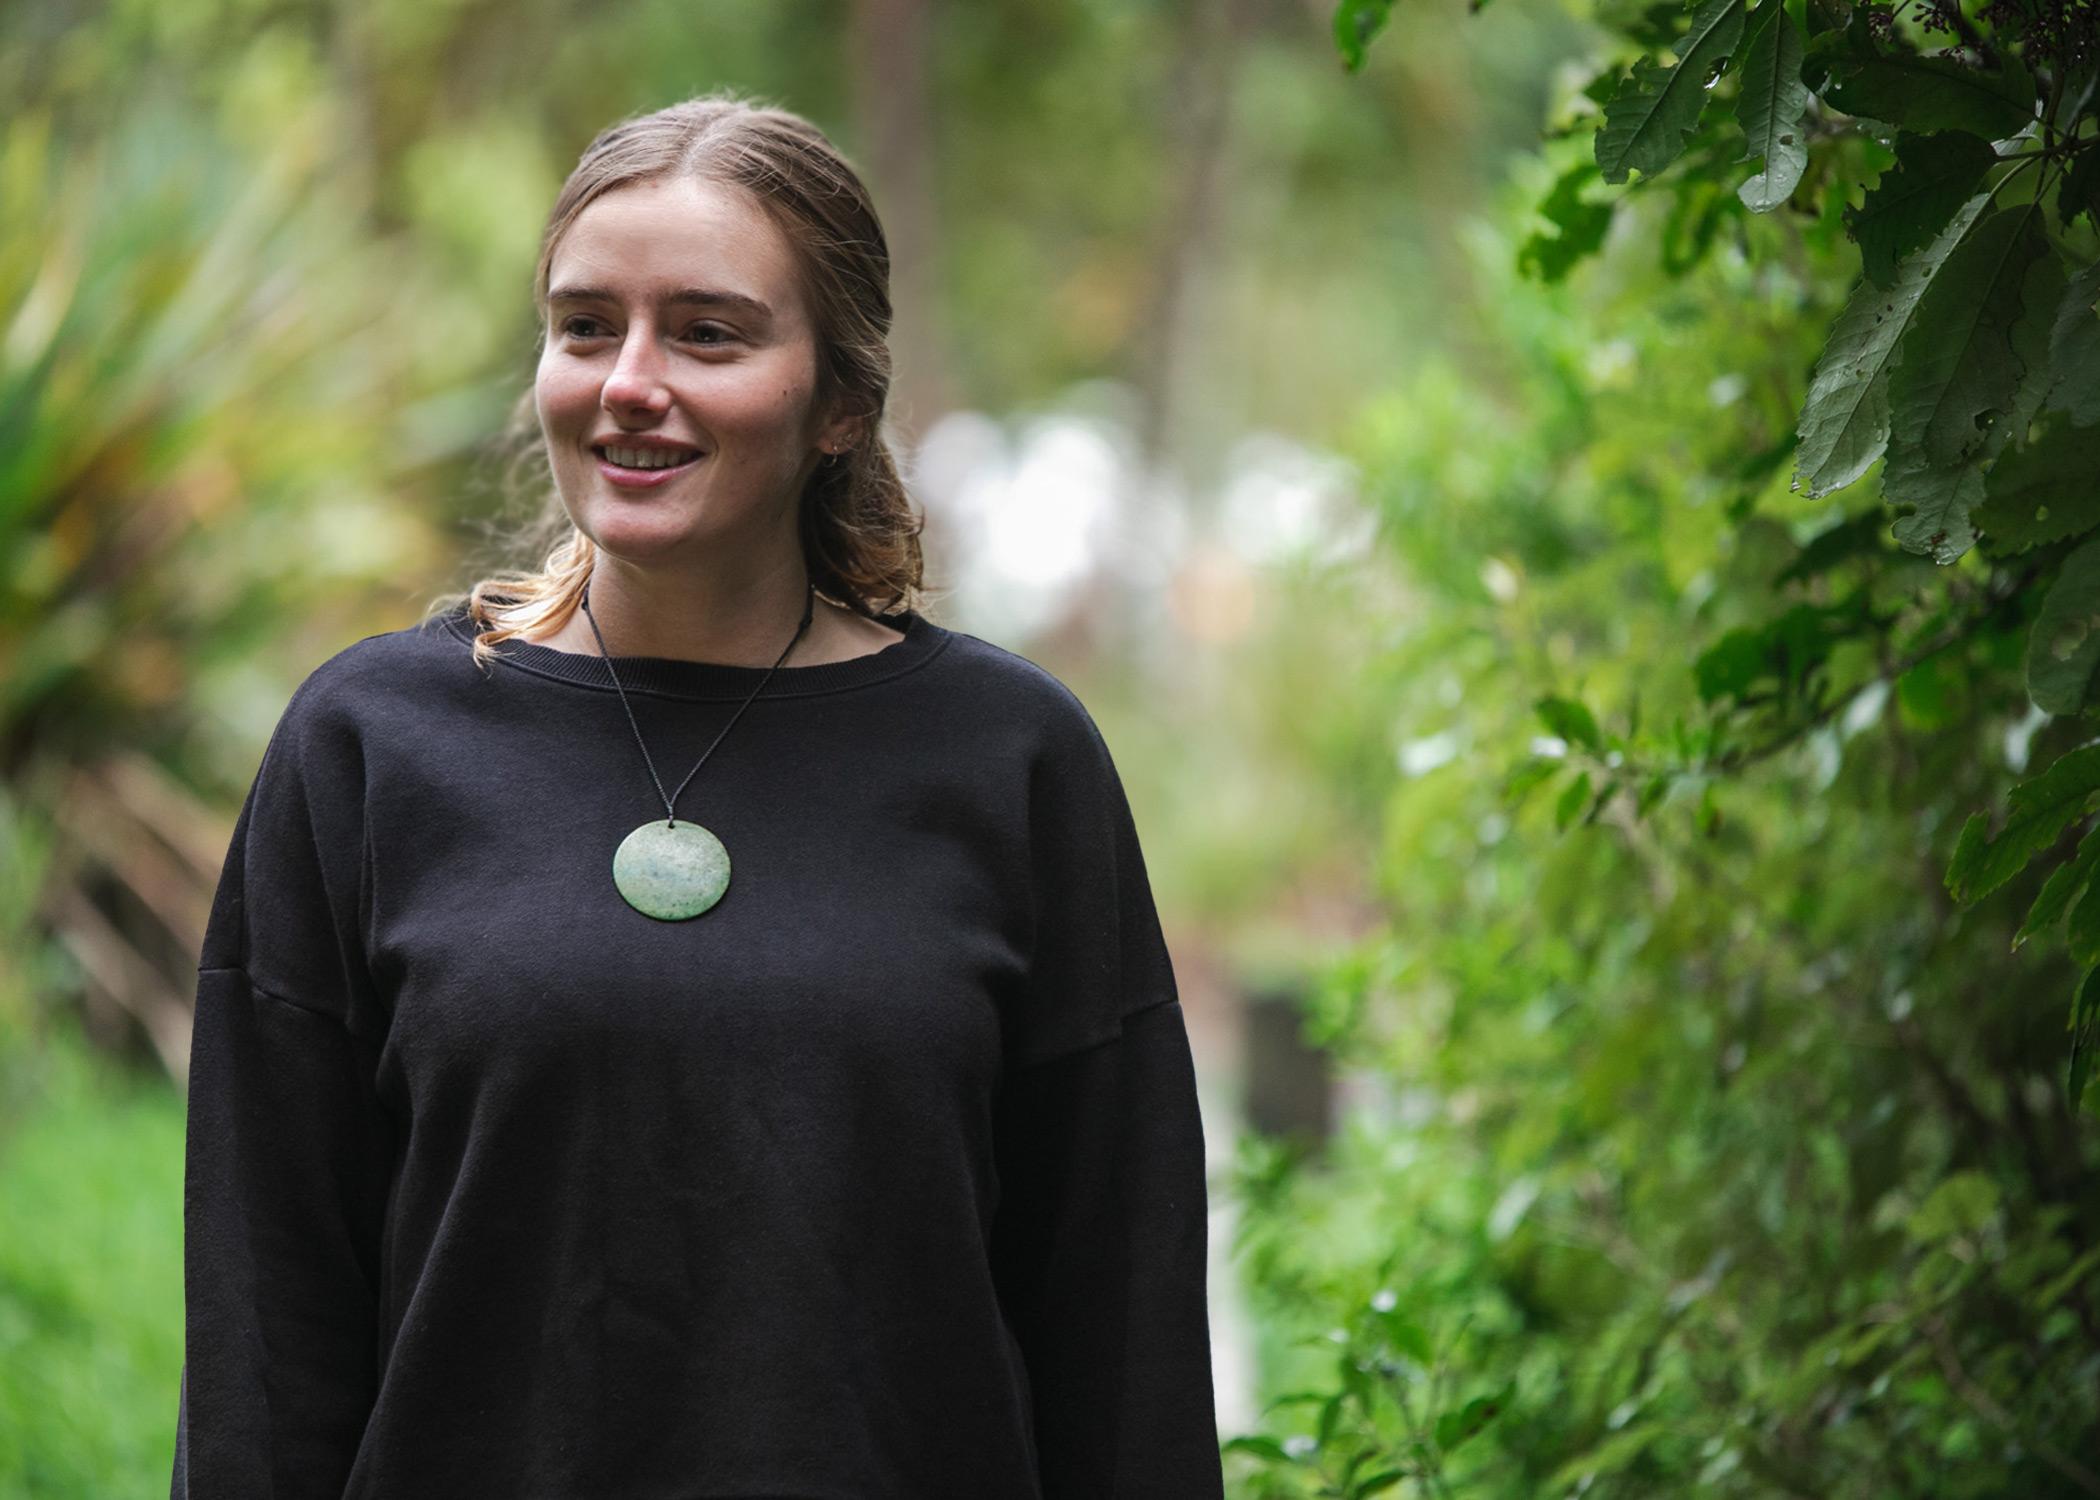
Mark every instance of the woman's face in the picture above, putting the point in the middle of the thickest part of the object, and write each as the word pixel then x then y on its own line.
pixel 676 333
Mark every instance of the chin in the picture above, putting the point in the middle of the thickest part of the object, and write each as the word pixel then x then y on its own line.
pixel 641 530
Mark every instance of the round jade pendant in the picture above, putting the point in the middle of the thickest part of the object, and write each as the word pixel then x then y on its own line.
pixel 671 871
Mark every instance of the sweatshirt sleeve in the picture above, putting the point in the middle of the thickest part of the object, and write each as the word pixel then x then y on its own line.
pixel 1100 1241
pixel 288 1152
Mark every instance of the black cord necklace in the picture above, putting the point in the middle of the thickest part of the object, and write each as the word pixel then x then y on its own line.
pixel 673 870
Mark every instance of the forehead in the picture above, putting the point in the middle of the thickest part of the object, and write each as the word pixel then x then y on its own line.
pixel 647 241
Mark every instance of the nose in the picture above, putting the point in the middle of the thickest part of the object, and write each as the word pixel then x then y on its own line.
pixel 636 382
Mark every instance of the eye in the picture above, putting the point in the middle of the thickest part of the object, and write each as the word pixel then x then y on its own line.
pixel 568 326
pixel 725 336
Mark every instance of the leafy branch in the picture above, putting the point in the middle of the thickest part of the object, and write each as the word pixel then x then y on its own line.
pixel 1964 365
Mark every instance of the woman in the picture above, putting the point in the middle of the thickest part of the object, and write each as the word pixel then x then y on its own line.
pixel 827 1130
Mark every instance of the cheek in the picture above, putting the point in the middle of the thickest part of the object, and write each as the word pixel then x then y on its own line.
pixel 766 411
pixel 563 396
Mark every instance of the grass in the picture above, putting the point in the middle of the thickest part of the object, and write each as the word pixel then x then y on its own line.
pixel 90 1274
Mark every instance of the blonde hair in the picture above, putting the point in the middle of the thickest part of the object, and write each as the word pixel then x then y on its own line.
pixel 860 535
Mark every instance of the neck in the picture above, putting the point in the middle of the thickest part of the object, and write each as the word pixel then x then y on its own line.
pixel 747 621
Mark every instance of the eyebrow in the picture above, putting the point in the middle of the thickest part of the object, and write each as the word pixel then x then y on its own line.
pixel 691 295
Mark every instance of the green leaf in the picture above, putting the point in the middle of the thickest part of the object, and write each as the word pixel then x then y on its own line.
pixel 1968 378
pixel 2042 493
pixel 1609 1456
pixel 1404 1334
pixel 2082 932
pixel 2084 1027
pixel 1528 773
pixel 1927 94
pixel 2038 811
pixel 1771 106
pixel 1356 1380
pixel 1802 638
pixel 2041 303
pixel 2072 1275
pixel 1709 817
pixel 1834 51
pixel 1651 25
pixel 1260 1447
pixel 2064 646
pixel 1958 368
pixel 2064 882
pixel 1938 503
pixel 1728 667
pixel 2074 348
pixel 1330 1414
pixel 1380 1482
pixel 1455 1427
pixel 1933 177
pixel 1845 420
pixel 1298 1398
pixel 1931 694
pixel 1648 118
pixel 1571 721
pixel 1763 461
pixel 2080 193
pixel 1856 536
pixel 1582 226
pixel 1572 798
pixel 1863 1345
pixel 1355 23
pixel 1962 1204
pixel 1785 650
pixel 1698 206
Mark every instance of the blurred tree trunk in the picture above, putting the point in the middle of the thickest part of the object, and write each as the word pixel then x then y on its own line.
pixel 1196 130
pixel 351 50
pixel 891 43
pixel 1199 152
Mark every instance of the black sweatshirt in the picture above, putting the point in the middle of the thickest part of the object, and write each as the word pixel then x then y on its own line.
pixel 883 1179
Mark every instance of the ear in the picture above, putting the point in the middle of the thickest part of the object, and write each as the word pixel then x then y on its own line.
pixel 841 434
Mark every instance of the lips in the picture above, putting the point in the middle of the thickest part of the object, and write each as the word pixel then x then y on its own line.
pixel 645 453
pixel 633 476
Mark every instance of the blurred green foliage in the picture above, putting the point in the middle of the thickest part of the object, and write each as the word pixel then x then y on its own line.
pixel 1711 1143
pixel 90 1270
pixel 191 443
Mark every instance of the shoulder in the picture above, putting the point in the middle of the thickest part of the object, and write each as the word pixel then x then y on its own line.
pixel 1034 724
pixel 373 682
pixel 1022 694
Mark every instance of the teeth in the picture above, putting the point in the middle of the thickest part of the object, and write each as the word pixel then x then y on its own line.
pixel 649 458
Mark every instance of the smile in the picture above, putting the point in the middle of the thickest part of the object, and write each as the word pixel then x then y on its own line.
pixel 643 468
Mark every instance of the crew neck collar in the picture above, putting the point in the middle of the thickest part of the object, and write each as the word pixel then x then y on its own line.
pixel 670 677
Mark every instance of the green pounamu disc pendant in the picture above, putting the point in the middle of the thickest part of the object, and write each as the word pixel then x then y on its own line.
pixel 671 871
